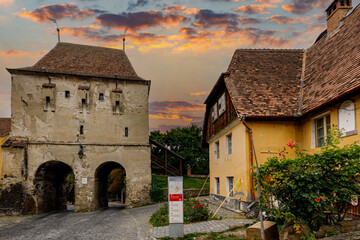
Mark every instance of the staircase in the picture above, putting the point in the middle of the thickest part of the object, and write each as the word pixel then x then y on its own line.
pixel 159 163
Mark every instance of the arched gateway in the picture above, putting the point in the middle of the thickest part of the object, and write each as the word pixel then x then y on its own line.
pixel 80 109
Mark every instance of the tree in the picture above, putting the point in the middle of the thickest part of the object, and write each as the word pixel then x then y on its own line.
pixel 186 142
pixel 117 181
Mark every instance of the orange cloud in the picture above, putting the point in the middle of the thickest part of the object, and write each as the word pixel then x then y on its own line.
pixel 251 9
pixel 198 93
pixel 191 11
pixel 59 11
pixel 174 8
pixel 287 20
pixel 13 52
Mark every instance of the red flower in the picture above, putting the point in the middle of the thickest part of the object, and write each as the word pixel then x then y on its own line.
pixel 322 197
pixel 317 199
pixel 291 144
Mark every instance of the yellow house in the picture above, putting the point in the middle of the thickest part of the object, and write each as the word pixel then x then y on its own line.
pixel 5 127
pixel 268 96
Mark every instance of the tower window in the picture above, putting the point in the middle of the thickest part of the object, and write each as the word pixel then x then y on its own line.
pixel 67 94
pixel 101 96
pixel 47 101
pixel 81 129
pixel 126 132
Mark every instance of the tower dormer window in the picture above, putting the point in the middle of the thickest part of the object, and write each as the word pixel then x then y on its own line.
pixel 101 96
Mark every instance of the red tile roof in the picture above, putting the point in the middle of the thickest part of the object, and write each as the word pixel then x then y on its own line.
pixel 333 64
pixel 265 82
pixel 5 126
pixel 15 142
pixel 84 60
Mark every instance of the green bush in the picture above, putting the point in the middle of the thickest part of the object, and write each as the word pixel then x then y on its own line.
pixel 315 188
pixel 194 211
pixel 157 195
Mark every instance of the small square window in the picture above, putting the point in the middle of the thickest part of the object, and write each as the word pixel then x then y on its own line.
pixel 101 96
pixel 67 94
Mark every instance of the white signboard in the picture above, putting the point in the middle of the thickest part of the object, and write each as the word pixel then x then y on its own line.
pixel 84 180
pixel 176 206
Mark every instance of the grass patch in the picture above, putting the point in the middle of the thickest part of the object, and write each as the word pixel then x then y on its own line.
pixel 161 182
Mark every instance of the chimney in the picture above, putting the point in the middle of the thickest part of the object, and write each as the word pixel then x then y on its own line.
pixel 336 12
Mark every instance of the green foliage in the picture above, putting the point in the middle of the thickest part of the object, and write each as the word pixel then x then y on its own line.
pixel 315 188
pixel 194 211
pixel 157 195
pixel 70 187
pixel 186 142
pixel 161 182
pixel 117 178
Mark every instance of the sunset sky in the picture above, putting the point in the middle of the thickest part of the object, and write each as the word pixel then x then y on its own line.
pixel 182 46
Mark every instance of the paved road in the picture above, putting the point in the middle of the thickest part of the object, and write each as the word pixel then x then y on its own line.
pixel 111 223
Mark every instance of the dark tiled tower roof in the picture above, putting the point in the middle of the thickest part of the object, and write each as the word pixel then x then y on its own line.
pixel 84 60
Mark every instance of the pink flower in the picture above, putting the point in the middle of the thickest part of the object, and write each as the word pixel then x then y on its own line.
pixel 311 154
pixel 291 144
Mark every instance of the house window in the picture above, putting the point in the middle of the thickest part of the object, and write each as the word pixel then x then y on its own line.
pixel 214 113
pixel 230 185
pixel 322 129
pixel 347 123
pixel 222 106
pixel 217 150
pixel 67 94
pixel 229 144
pixel 217 185
pixel 101 96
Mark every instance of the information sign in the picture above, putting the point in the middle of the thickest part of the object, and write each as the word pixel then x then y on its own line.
pixel 176 212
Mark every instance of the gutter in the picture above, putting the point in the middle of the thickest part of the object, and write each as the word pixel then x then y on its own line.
pixel 251 158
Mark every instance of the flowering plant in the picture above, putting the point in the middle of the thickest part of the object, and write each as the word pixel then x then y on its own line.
pixel 194 211
pixel 315 188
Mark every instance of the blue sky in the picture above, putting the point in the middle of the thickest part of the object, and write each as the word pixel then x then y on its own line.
pixel 181 45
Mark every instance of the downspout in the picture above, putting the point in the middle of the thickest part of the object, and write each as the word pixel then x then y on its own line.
pixel 257 176
pixel 251 158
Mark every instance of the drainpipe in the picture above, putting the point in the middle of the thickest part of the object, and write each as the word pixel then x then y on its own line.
pixel 251 158
pixel 257 175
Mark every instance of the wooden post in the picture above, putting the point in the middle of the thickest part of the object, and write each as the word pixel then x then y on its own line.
pixel 180 167
pixel 165 162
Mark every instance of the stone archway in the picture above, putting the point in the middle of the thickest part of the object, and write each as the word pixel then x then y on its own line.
pixel 102 182
pixel 50 188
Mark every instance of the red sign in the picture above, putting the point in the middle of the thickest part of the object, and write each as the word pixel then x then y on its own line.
pixel 176 197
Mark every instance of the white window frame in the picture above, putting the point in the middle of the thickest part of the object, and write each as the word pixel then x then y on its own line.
pixel 230 185
pixel 222 105
pixel 229 144
pixel 214 113
pixel 217 149
pixel 217 185
pixel 344 116
pixel 314 129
